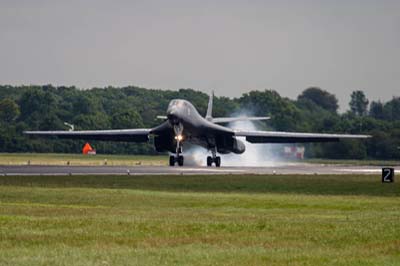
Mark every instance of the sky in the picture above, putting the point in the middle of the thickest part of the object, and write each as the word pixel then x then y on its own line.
pixel 229 46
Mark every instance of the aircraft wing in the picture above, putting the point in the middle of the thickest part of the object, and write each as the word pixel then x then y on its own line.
pixel 293 137
pixel 129 135
pixel 219 120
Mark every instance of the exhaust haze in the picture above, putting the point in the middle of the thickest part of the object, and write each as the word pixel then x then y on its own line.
pixel 256 155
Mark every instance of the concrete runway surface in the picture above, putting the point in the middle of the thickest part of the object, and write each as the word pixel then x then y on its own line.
pixel 291 168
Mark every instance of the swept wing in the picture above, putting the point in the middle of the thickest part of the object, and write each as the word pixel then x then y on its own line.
pixel 131 135
pixel 293 137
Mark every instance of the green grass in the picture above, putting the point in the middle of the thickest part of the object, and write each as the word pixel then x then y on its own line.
pixel 199 220
pixel 79 159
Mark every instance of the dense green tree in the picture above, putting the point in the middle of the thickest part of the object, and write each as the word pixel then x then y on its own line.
pixel 284 113
pixel 316 118
pixel 86 104
pixel 392 109
pixel 48 107
pixel 91 121
pixel 321 98
pixel 9 110
pixel 376 110
pixel 358 103
pixel 346 149
pixel 36 104
pixel 126 118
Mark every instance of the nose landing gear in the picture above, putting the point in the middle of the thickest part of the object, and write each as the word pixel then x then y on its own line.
pixel 214 159
pixel 178 159
pixel 178 129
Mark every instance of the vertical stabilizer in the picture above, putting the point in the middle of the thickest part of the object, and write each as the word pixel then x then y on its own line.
pixel 209 107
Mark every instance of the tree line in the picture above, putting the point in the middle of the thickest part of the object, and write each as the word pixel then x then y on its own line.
pixel 314 110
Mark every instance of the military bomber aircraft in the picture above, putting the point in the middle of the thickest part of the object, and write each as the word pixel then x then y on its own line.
pixel 183 123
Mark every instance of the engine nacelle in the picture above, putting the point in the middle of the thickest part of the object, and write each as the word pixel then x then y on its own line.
pixel 238 146
pixel 227 145
pixel 165 143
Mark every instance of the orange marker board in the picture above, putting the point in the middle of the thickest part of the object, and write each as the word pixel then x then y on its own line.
pixel 87 148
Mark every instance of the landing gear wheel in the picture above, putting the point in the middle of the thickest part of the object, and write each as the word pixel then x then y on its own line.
pixel 171 160
pixel 180 160
pixel 218 161
pixel 209 161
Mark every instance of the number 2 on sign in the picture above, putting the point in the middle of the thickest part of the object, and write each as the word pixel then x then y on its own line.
pixel 386 178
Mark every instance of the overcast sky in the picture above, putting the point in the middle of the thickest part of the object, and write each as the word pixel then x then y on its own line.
pixel 230 46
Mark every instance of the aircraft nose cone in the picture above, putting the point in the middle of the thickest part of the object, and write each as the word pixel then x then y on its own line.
pixel 173 111
pixel 173 115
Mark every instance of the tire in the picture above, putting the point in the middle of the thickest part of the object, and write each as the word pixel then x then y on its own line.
pixel 180 160
pixel 209 161
pixel 218 161
pixel 171 160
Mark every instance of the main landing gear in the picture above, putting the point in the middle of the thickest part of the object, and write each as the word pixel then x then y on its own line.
pixel 214 159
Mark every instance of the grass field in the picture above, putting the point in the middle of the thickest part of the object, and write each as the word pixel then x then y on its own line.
pixel 79 159
pixel 199 220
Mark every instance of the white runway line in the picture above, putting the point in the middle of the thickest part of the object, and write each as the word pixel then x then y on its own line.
pixel 360 170
pixel 305 169
pixel 214 170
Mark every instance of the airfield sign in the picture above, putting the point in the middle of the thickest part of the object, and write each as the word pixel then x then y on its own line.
pixel 387 175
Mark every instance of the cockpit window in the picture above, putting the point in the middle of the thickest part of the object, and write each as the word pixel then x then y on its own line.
pixel 176 103
pixel 172 103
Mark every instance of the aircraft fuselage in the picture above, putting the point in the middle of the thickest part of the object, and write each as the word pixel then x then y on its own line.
pixel 190 126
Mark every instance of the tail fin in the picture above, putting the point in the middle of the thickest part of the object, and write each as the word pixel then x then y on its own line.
pixel 209 107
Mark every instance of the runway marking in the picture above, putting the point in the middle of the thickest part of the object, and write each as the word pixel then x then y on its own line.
pixel 207 169
pixel 107 174
pixel 305 169
pixel 360 170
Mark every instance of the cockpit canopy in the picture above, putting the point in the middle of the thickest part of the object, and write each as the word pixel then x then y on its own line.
pixel 174 103
pixel 177 103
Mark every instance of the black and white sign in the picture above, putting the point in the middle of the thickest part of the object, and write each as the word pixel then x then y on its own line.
pixel 387 175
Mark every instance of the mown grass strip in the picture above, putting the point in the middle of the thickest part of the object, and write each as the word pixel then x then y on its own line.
pixel 80 159
pixel 298 184
pixel 199 220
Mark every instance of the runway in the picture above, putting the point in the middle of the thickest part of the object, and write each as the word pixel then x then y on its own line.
pixel 282 169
